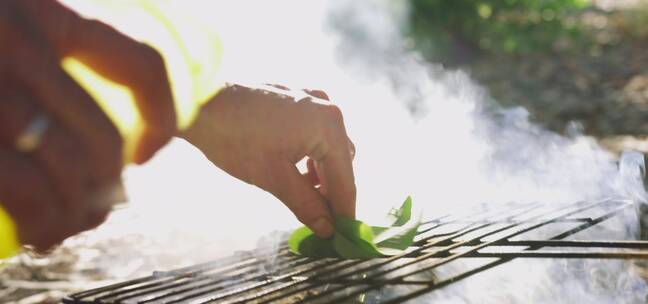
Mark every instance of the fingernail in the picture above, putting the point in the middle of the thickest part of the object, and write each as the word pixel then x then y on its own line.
pixel 323 228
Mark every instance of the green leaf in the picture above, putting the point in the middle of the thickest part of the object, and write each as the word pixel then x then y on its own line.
pixel 303 241
pixel 395 239
pixel 402 214
pixel 354 239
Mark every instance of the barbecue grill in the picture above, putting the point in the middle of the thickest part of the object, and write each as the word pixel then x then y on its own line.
pixel 493 236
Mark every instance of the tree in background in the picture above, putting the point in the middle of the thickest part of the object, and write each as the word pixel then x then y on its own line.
pixel 458 30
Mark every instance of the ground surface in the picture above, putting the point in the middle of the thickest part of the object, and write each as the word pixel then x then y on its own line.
pixel 603 87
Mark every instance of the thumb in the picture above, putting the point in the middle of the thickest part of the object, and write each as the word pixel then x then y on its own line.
pixel 298 194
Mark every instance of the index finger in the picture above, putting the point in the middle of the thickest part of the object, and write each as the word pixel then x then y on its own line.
pixel 119 58
pixel 334 164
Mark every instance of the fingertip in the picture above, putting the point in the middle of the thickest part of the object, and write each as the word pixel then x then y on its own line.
pixel 317 93
pixel 323 228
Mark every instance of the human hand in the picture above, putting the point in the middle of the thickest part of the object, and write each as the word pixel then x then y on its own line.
pixel 60 155
pixel 259 134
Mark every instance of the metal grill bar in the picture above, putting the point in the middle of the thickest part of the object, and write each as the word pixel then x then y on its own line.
pixel 217 281
pixel 245 277
pixel 589 244
pixel 470 227
pixel 453 257
pixel 564 255
pixel 505 260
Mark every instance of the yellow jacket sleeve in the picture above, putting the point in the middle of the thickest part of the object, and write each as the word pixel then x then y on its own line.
pixel 9 244
pixel 192 53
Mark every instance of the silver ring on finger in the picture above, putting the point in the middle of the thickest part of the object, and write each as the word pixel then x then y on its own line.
pixel 31 137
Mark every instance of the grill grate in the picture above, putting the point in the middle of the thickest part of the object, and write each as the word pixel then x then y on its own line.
pixel 489 236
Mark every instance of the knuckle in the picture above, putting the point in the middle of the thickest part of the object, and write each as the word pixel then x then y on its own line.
pixel 235 87
pixel 319 94
pixel 305 101
pixel 153 58
pixel 94 219
pixel 333 113
pixel 153 77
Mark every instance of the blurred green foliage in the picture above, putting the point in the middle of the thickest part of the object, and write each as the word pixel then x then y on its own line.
pixel 461 28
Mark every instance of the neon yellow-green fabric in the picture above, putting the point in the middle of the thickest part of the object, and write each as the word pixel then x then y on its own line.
pixel 9 244
pixel 192 53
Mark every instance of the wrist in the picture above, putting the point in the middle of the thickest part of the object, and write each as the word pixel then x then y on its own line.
pixel 204 121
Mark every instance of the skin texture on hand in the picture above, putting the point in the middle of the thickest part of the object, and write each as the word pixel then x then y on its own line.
pixel 63 186
pixel 259 134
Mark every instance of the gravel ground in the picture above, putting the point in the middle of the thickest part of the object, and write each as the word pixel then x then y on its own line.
pixel 602 88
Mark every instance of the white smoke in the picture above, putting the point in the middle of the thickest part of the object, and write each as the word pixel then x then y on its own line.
pixel 458 132
pixel 463 148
